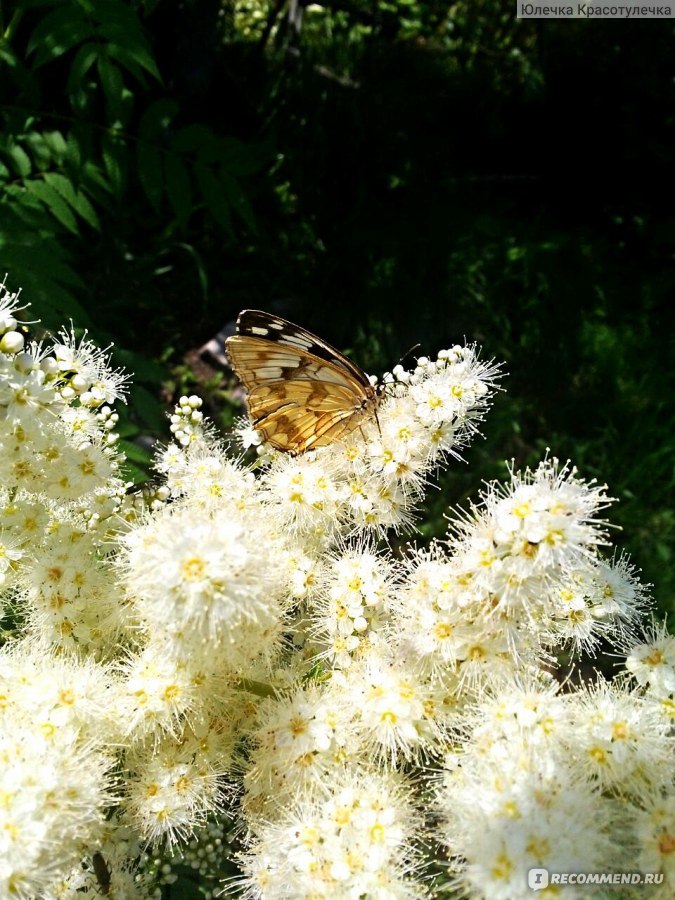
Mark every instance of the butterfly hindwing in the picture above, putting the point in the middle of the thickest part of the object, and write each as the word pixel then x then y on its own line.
pixel 301 392
pixel 294 429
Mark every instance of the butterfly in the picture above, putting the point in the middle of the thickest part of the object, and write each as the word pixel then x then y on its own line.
pixel 301 393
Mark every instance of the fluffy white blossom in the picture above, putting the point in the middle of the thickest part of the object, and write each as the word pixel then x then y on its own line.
pixel 245 642
pixel 652 663
pixel 654 829
pixel 55 765
pixel 504 813
pixel 171 790
pixel 356 840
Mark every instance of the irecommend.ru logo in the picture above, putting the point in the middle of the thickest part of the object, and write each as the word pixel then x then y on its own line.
pixel 538 879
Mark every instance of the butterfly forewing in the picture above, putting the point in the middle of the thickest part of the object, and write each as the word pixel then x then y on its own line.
pixel 301 392
pixel 255 323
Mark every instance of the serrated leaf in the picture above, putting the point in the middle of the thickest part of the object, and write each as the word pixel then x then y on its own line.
pixel 94 181
pixel 135 61
pixel 150 170
pixel 77 200
pixel 73 153
pixel 62 184
pixel 113 86
pixel 120 25
pixel 56 143
pixel 212 192
pixel 39 263
pixel 38 150
pixel 19 160
pixel 84 60
pixel 54 202
pixel 58 32
pixel 25 209
pixel 178 188
pixel 86 211
pixel 114 151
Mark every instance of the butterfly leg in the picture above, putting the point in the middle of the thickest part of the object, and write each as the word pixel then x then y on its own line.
pixel 377 420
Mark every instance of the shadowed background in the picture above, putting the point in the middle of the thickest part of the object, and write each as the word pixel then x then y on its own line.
pixel 385 173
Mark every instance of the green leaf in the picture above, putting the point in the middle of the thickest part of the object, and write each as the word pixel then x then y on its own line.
pixel 54 202
pixel 77 200
pixel 41 266
pixel 39 149
pixel 19 160
pixel 136 453
pixel 150 170
pixel 56 143
pixel 212 192
pixel 113 86
pixel 135 61
pixel 84 59
pixel 149 409
pixel 58 32
pixel 19 73
pixel 178 188
pixel 136 474
pixel 62 184
pixel 143 368
pixel 120 25
pixel 114 158
pixel 86 211
pixel 73 152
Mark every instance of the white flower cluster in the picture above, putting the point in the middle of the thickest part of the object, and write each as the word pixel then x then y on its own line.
pixel 570 782
pixel 234 644
pixel 59 484
pixel 519 576
pixel 55 764
pixel 355 841
pixel 373 479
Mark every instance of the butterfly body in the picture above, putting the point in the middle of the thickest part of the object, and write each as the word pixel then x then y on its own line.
pixel 301 393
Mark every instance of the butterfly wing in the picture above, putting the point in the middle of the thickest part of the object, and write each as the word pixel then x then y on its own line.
pixel 301 392
pixel 258 324
pixel 294 430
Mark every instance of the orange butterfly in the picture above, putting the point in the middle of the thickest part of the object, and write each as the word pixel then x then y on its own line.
pixel 301 392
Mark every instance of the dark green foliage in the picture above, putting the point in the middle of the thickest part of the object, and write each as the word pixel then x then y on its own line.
pixel 101 170
pixel 383 172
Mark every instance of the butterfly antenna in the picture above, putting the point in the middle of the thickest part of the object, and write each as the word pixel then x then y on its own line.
pixel 408 353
